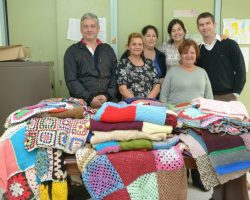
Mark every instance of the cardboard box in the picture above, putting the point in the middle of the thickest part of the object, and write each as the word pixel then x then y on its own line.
pixel 14 52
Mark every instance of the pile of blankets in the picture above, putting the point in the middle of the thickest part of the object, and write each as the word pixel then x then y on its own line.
pixel 217 134
pixel 117 127
pixel 31 149
pixel 127 150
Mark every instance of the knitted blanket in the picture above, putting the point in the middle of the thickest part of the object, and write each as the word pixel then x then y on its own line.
pixel 14 157
pixel 227 153
pixel 65 134
pixel 158 174
pixel 114 146
pixel 232 109
pixel 102 126
pixel 125 135
pixel 113 112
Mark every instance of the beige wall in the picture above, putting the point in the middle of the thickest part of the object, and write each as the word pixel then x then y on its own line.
pixel 242 12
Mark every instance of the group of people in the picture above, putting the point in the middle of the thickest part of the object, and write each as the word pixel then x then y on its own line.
pixel 175 73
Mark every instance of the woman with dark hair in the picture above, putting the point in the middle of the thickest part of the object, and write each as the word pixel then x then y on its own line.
pixel 177 32
pixel 150 35
pixel 136 75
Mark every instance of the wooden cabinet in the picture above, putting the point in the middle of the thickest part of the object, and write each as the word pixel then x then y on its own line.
pixel 23 84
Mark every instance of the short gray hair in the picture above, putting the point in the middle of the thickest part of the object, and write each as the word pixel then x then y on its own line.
pixel 90 16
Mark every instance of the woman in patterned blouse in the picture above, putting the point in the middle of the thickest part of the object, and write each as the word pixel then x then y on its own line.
pixel 136 75
pixel 177 32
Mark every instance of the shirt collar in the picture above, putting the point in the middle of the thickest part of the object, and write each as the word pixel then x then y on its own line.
pixel 98 41
pixel 217 37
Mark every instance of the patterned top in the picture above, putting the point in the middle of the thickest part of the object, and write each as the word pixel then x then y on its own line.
pixel 172 54
pixel 139 79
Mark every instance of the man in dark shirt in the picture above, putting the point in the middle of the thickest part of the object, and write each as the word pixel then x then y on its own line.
pixel 225 66
pixel 222 60
pixel 89 66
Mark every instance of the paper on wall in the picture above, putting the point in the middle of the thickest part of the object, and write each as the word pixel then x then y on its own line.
pixel 74 33
pixel 237 29
pixel 185 13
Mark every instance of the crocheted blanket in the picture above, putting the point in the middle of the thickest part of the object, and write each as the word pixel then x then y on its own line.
pixel 23 185
pixel 157 174
pixel 65 134
pixel 50 165
pixel 113 112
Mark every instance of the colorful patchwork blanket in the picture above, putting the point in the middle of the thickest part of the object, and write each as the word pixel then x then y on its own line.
pixel 113 112
pixel 14 157
pixel 157 174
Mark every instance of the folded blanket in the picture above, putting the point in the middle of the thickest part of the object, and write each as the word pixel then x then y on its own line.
pixel 77 113
pixel 113 112
pixel 102 126
pixel 125 135
pixel 196 118
pixel 140 144
pixel 44 106
pixel 233 109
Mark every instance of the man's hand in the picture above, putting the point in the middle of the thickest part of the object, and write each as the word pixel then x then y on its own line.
pixel 102 98
pixel 98 101
pixel 95 103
